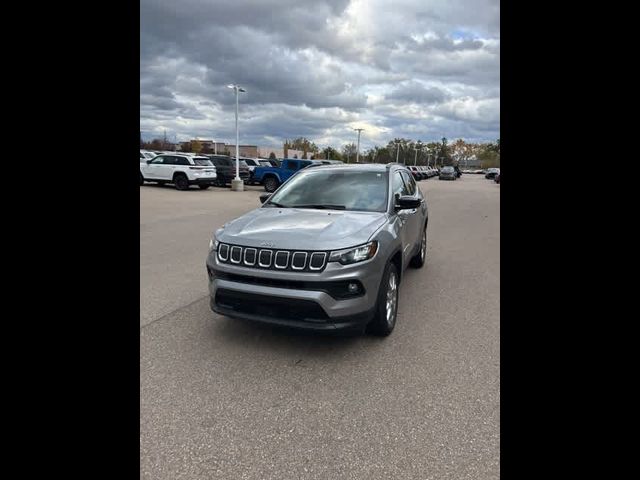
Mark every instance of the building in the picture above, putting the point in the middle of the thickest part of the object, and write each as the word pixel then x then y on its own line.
pixel 265 152
pixel 249 151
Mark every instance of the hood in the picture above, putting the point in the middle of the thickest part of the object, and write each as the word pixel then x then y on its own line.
pixel 301 228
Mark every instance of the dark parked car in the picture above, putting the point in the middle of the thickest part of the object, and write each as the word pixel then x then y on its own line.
pixel 327 251
pixel 492 172
pixel 447 173
pixel 226 169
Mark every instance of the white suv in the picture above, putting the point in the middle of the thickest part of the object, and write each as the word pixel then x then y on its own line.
pixel 180 169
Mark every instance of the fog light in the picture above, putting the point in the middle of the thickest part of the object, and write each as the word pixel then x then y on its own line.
pixel 353 288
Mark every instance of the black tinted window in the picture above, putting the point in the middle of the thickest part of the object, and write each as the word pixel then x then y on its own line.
pixel 157 160
pixel 291 166
pixel 180 161
pixel 202 161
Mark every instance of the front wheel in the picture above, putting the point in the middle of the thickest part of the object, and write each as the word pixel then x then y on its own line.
pixel 270 184
pixel 387 307
pixel 203 187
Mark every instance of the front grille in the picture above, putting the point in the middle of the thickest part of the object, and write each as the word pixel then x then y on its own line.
pixel 338 289
pixel 268 306
pixel 266 258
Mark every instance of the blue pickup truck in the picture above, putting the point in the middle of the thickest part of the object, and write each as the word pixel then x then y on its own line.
pixel 273 177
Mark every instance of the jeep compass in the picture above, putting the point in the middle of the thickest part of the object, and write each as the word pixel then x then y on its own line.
pixel 325 251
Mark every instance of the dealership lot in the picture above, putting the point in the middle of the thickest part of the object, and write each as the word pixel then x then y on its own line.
pixel 221 398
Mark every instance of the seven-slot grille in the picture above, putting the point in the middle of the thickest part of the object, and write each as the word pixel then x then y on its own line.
pixel 272 259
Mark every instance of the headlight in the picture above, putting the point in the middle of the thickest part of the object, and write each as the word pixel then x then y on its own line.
pixel 354 255
pixel 213 244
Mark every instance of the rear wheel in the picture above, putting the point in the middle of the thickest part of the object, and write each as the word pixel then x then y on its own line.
pixel 181 181
pixel 270 184
pixel 204 187
pixel 387 307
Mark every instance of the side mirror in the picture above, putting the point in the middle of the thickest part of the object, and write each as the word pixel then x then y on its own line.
pixel 406 202
pixel 264 197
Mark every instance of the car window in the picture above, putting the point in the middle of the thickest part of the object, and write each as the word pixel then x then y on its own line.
pixel 410 183
pixel 202 161
pixel 291 166
pixel 346 190
pixel 398 187
pixel 158 160
pixel 180 161
pixel 141 155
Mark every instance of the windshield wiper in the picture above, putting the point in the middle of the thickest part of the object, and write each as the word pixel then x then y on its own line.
pixel 279 205
pixel 320 206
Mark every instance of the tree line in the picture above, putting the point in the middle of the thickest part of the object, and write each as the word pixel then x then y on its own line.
pixel 404 150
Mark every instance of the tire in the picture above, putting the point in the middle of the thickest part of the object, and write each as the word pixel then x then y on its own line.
pixel 141 179
pixel 181 181
pixel 220 181
pixel 383 321
pixel 204 187
pixel 271 184
pixel 420 258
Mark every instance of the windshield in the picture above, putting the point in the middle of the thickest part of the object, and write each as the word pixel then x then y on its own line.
pixel 447 169
pixel 205 162
pixel 350 190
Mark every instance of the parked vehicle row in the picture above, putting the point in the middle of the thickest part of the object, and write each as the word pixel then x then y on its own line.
pixel 422 172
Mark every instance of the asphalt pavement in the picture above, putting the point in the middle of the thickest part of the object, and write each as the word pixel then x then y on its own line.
pixel 225 399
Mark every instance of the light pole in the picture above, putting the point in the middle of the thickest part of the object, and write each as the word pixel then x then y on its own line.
pixel 358 148
pixel 397 151
pixel 237 184
pixel 415 160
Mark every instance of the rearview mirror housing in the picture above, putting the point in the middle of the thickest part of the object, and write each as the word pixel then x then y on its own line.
pixel 407 202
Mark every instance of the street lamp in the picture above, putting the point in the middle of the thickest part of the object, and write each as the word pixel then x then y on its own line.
pixel 397 151
pixel 358 148
pixel 415 160
pixel 237 184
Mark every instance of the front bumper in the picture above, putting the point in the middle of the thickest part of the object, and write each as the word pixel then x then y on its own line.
pixel 267 298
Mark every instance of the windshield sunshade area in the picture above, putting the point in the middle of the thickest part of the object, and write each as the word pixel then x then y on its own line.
pixel 362 191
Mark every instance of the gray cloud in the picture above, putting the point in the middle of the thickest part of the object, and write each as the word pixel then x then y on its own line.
pixel 320 68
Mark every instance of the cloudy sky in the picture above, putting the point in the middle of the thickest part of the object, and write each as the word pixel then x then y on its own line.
pixel 419 69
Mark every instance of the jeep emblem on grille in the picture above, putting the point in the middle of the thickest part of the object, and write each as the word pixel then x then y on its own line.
pixel 267 244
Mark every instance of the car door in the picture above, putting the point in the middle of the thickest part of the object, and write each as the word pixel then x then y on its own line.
pixel 165 169
pixel 414 216
pixel 152 169
pixel 399 188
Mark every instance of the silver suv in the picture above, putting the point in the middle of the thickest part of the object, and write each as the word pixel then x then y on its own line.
pixel 326 251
